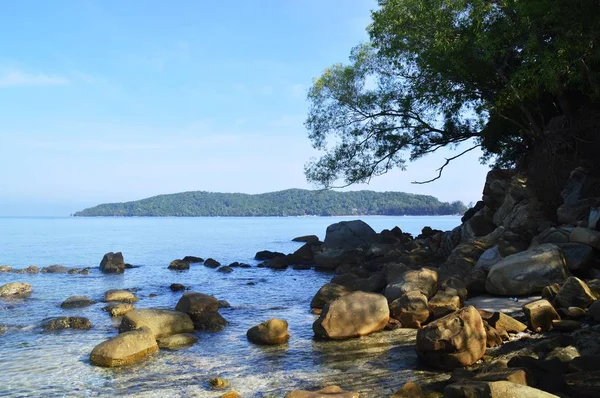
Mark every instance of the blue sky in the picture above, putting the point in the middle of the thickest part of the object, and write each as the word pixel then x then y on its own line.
pixel 106 101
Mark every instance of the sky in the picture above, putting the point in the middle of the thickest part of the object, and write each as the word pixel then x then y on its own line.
pixel 110 101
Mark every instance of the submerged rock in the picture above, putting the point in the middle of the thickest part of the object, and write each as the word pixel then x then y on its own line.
pixel 225 269
pixel 55 269
pixel 355 314
pixel 271 332
pixel 112 263
pixel 176 287
pixel 217 383
pixel 162 323
pixel 177 341
pixel 193 259
pixel 212 263
pixel 124 349
pixel 15 290
pixel 179 265
pixel 66 322
pixel 456 340
pixel 118 309
pixel 77 302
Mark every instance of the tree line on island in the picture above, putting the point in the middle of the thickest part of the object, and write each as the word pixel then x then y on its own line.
pixel 291 202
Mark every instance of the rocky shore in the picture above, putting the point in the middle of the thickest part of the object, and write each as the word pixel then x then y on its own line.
pixel 504 305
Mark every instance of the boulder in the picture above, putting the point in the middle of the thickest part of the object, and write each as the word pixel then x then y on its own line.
pixel 527 272
pixel 217 383
pixel 124 349
pixel 277 263
pixel 349 234
pixel 565 325
pixel 15 290
pixel 193 259
pixel 5 268
pixel 456 340
pixel 551 235
pixel 77 302
pixel 410 309
pixel 493 337
pixel 65 322
pixel 458 285
pixel 307 239
pixel 271 332
pixel 393 271
pixel 305 255
pixel 504 323
pixel 209 321
pixel 212 263
pixel 355 314
pixel 571 214
pixel 424 280
pixel 331 259
pixel 550 291
pixel 177 341
pixel 267 255
pixel 177 287
pixel 444 302
pixel 179 265
pixel 489 258
pixel 162 323
pixel 579 257
pixel 409 390
pixel 32 269
pixel 197 303
pixel 586 236
pixel 123 296
pixel 225 269
pixel 55 269
pixel 540 314
pixel 331 391
pixel 328 293
pixel 118 309
pixel 496 186
pixel 594 310
pixel 574 293
pixel 493 389
pixel 112 263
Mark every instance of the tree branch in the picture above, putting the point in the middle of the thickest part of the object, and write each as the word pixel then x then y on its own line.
pixel 448 160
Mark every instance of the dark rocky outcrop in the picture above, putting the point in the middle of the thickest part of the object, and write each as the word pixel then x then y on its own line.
pixel 112 263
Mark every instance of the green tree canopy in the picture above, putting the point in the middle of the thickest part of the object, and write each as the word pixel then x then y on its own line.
pixel 439 73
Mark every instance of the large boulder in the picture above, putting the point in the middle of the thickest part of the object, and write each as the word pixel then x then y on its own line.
pixel 571 214
pixel 125 349
pixel 327 392
pixel 162 323
pixel 424 280
pixel 112 263
pixel 267 255
pixel 586 236
pixel 411 309
pixel 179 265
pixel 15 289
pixel 355 314
pixel 271 332
pixel 77 302
pixel 196 303
pixel 349 234
pixel 456 340
pixel 527 272
pixel 328 293
pixel 331 259
pixel 123 296
pixel 579 257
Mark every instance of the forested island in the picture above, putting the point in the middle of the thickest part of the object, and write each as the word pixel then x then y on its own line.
pixel 290 202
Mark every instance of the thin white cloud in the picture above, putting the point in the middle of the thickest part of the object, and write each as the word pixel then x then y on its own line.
pixel 20 78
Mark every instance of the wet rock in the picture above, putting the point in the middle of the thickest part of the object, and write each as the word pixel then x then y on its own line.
pixel 162 323
pixel 349 234
pixel 197 303
pixel 527 272
pixel 32 269
pixel 124 349
pixel 77 302
pixel 177 341
pixel 193 259
pixel 271 332
pixel 277 263
pixel 424 280
pixel 65 322
pixel 224 304
pixel 411 309
pixel 444 302
pixel 301 267
pixel 212 263
pixel 179 265
pixel 15 290
pixel 5 268
pixel 267 255
pixel 331 259
pixel 225 270
pixel 456 340
pixel 118 309
pixel 307 239
pixel 574 293
pixel 328 293
pixel 55 269
pixel 123 296
pixel 355 314
pixel 176 287
pixel 586 236
pixel 209 321
pixel 331 391
pixel 217 383
pixel 493 389
pixel 112 263
pixel 409 390
pixel 540 314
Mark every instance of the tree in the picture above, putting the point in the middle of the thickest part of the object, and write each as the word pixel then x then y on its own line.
pixel 439 73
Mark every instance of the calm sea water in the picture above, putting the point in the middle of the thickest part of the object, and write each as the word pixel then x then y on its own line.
pixel 33 363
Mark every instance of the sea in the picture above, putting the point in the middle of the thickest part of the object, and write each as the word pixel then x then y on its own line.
pixel 56 364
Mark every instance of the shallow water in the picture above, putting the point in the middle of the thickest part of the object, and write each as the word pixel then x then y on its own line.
pixel 33 363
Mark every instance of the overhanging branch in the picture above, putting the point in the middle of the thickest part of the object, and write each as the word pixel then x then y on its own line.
pixel 448 160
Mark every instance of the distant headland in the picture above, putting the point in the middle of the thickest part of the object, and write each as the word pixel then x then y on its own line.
pixel 290 202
